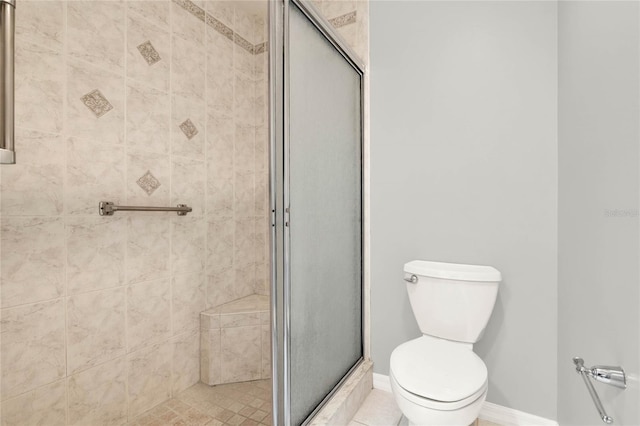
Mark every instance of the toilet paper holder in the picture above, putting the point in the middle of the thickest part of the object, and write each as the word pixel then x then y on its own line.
pixel 609 375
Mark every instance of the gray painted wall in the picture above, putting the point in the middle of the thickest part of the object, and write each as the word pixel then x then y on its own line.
pixel 463 169
pixel 598 164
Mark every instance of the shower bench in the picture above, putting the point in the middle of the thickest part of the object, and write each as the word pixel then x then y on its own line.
pixel 235 341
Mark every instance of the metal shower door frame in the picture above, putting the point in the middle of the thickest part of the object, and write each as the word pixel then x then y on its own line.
pixel 279 200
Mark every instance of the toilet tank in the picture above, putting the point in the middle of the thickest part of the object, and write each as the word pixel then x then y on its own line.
pixel 452 301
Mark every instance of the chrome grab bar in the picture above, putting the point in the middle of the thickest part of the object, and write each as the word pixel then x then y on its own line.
pixel 7 81
pixel 107 208
pixel 613 376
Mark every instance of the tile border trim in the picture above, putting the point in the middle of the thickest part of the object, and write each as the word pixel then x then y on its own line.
pixel 222 28
pixel 343 20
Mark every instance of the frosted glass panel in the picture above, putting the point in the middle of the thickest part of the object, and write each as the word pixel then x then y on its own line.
pixel 325 216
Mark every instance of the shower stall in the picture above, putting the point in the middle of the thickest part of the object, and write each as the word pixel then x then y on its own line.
pixel 243 117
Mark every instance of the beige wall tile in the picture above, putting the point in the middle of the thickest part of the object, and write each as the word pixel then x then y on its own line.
pixel 186 361
pixel 243 61
pixel 32 347
pixel 186 26
pixel 262 100
pixel 39 76
pixel 45 406
pixel 34 185
pixel 155 11
pixel 220 146
pixel 245 280
pixel 222 10
pixel 220 90
pixel 95 253
pixel 244 193
pixel 244 148
pixel 95 172
pixel 220 197
pixel 261 69
pixel 32 259
pixel 148 313
pixel 241 354
pixel 188 293
pixel 220 235
pixel 148 112
pixel 148 245
pixel 261 194
pixel 154 73
pixel 244 100
pixel 349 33
pixel 149 377
pixel 221 287
pixel 41 22
pixel 239 319
pixel 99 395
pixel 95 328
pixel 219 50
pixel 188 63
pixel 209 320
pixel 266 351
pixel 188 179
pixel 244 24
pixel 260 29
pixel 83 79
pixel 245 241
pixel 96 33
pixel 210 356
pixel 188 236
pixel 334 8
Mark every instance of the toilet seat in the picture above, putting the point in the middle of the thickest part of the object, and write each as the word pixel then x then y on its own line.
pixel 434 404
pixel 438 373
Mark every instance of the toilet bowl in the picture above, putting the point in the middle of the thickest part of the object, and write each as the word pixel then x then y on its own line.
pixel 437 379
pixel 443 382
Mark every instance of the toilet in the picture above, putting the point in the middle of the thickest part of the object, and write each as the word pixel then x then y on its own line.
pixel 437 379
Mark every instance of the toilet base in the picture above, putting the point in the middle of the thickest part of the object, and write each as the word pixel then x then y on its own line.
pixel 420 415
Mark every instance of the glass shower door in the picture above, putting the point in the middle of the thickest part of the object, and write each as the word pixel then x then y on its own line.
pixel 321 213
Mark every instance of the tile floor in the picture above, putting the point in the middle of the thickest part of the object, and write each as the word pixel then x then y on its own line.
pixel 249 404
pixel 379 409
pixel 246 404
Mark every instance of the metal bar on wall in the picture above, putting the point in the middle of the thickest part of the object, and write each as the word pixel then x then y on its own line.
pixel 7 88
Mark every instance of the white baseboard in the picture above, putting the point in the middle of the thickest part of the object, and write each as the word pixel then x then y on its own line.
pixel 508 416
pixel 381 382
pixel 494 413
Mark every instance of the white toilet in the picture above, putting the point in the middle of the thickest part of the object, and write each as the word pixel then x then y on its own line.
pixel 437 379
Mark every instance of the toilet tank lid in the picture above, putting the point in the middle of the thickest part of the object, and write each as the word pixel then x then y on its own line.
pixel 453 271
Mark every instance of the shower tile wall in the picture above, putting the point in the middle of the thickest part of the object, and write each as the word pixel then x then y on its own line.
pixel 141 103
pixel 351 19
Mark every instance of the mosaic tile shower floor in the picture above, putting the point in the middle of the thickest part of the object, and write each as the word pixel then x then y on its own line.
pixel 245 404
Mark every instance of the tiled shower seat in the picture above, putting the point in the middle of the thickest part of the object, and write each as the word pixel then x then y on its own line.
pixel 235 341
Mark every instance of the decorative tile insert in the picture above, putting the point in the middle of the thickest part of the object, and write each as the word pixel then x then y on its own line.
pixel 192 8
pixel 148 183
pixel 189 129
pixel 260 48
pixel 219 27
pixel 346 19
pixel 149 53
pixel 97 103
pixel 223 29
pixel 240 41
